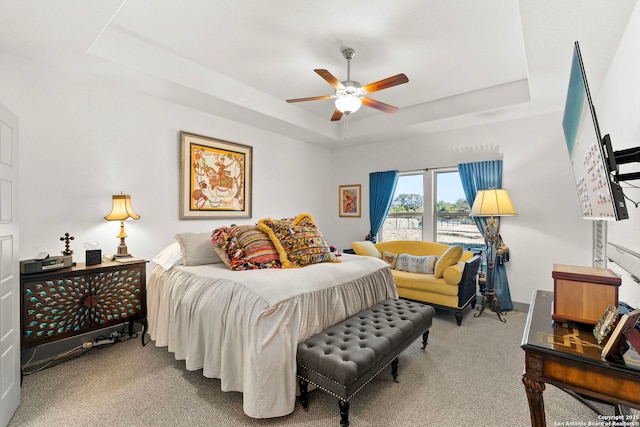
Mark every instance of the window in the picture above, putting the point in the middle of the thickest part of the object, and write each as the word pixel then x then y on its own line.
pixel 405 218
pixel 453 225
pixel 439 193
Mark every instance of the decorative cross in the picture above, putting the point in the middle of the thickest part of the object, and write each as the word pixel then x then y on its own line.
pixel 67 238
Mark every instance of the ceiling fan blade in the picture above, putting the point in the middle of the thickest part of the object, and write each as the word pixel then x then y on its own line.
pixel 386 83
pixel 337 115
pixel 386 108
pixel 330 78
pixel 313 98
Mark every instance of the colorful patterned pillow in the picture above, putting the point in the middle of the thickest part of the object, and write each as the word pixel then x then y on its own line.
pixel 246 247
pixel 299 242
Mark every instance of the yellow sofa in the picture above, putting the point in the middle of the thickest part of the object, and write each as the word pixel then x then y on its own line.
pixel 454 290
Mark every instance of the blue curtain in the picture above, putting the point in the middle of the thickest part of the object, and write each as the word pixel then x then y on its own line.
pixel 481 176
pixel 381 188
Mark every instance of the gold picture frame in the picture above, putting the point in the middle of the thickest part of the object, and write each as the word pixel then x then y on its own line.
pixel 606 323
pixel 215 178
pixel 349 201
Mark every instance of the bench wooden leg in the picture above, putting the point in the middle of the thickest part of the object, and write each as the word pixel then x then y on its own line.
pixel 394 369
pixel 344 413
pixel 304 396
pixel 425 337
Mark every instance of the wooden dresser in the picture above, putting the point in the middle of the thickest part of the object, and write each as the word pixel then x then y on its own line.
pixel 72 301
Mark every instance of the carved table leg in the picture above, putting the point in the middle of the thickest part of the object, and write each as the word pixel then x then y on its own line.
pixel 394 369
pixel 425 337
pixel 534 391
pixel 304 396
pixel 344 413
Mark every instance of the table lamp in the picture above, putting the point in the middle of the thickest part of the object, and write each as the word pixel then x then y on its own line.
pixel 492 202
pixel 120 211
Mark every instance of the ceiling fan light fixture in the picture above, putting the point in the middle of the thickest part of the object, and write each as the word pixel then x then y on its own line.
pixel 348 104
pixel 350 95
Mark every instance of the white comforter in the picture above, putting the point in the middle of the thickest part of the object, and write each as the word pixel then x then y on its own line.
pixel 244 326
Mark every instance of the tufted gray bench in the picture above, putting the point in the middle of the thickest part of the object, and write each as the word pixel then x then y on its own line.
pixel 344 358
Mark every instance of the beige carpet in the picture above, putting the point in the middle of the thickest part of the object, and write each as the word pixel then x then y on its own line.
pixel 468 376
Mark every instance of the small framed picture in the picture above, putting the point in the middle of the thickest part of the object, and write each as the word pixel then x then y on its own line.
pixel 349 201
pixel 605 325
pixel 617 344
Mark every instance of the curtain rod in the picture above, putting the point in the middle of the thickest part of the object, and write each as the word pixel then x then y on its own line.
pixel 430 169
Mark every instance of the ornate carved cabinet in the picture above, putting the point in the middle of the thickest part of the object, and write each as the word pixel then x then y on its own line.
pixel 72 301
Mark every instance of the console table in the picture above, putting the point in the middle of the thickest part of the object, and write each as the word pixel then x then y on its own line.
pixel 569 358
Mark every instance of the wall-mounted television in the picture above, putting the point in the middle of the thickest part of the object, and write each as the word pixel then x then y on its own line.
pixel 592 157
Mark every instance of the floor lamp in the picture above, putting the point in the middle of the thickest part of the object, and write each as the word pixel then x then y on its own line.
pixel 492 202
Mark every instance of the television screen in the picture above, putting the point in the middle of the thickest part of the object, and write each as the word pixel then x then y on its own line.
pixel 599 194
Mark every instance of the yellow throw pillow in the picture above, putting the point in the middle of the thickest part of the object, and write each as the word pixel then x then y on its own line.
pixel 365 247
pixel 450 257
pixel 390 258
pixel 298 242
pixel 453 274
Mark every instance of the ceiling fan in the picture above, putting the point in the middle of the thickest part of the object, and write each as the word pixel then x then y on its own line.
pixel 350 94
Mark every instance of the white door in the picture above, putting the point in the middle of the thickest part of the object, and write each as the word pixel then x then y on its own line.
pixel 9 268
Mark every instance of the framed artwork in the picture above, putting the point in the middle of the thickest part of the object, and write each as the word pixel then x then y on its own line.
pixel 606 323
pixel 349 201
pixel 215 178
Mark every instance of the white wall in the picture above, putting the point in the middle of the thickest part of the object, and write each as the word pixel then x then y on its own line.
pixel 618 107
pixel 84 140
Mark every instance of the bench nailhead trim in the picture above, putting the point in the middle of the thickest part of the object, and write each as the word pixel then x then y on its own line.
pixel 341 385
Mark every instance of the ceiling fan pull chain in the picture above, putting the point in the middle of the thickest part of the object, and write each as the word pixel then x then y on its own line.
pixel 345 133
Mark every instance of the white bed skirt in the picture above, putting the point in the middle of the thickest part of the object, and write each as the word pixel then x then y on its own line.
pixel 247 337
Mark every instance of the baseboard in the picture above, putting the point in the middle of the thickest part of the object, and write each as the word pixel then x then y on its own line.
pixel 520 306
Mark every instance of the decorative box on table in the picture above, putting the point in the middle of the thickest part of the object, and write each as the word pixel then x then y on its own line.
pixel 582 294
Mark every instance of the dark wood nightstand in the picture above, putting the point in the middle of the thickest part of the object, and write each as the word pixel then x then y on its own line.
pixel 72 301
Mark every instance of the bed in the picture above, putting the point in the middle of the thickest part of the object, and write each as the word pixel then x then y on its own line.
pixel 243 327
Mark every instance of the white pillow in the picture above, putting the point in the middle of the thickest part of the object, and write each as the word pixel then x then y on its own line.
pixel 169 257
pixel 416 264
pixel 197 249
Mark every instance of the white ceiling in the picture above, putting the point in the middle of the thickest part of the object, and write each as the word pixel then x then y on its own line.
pixel 468 62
